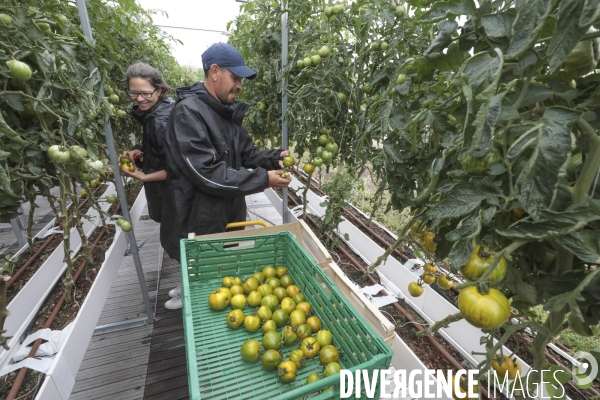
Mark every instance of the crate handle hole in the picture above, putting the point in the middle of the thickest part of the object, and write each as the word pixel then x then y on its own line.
pixel 237 245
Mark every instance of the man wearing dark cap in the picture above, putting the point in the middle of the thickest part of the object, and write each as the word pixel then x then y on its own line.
pixel 212 161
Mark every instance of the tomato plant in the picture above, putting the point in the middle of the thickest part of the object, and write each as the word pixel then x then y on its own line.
pixel 482 125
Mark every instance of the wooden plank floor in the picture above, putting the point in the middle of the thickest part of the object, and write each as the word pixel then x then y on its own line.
pixel 115 363
pixel 145 362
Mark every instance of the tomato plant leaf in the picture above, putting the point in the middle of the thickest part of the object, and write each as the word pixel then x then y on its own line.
pixel 528 60
pixel 484 124
pixel 440 9
pixel 531 15
pixel 536 185
pixel 460 253
pixel 480 70
pixel 467 228
pixel 513 280
pixel 498 25
pixel 567 32
pixel 585 245
pixel 7 131
pixel 13 100
pixel 463 199
pixel 555 224
pixel 46 62
pixel 557 303
pixel 590 13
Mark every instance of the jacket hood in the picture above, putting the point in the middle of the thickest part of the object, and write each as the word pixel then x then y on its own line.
pixel 161 109
pixel 235 112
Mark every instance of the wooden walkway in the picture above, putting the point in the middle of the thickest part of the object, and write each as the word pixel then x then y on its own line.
pixel 145 362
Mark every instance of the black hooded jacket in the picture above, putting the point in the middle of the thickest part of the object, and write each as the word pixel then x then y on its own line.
pixel 154 122
pixel 212 165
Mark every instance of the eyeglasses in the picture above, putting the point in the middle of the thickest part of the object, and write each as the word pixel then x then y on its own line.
pixel 145 95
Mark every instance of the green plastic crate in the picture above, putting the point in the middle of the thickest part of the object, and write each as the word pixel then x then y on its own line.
pixel 215 367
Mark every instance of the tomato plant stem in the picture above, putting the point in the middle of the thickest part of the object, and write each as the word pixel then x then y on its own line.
pixel 591 165
pixel 401 239
pixel 68 279
pixel 444 323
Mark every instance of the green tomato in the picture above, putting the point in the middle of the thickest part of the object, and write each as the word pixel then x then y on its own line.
pixel 19 70
pixel 328 11
pixel 114 99
pixel 401 79
pixel 324 52
pixel 6 19
pixel 318 161
pixel 315 59
pixel 332 147
pixel 59 154
pixel 300 64
pixel 338 9
pixel 384 45
pixel 307 61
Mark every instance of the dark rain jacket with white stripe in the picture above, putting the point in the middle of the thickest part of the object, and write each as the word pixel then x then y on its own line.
pixel 212 164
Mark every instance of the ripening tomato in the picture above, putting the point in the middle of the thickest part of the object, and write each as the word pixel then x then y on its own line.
pixel 297 357
pixel 324 337
pixel 270 301
pixel 227 281
pixel 487 311
pixel 428 267
pixel 269 271
pixel 288 305
pixel 314 322
pixel 428 278
pixel 286 281
pixel 250 350
pixel 304 307
pixel 310 347
pixel 235 319
pixel 444 282
pixel 297 317
pixel 281 271
pixel 280 317
pixel 415 289
pixel 270 360
pixel 293 290
pixel 332 369
pixel 313 378
pixel 254 299
pixel 259 276
pixel 303 331
pixel 289 161
pixel 238 302
pixel 289 336
pixel 287 371
pixel 237 281
pixel 328 354
pixel 298 297
pixel 265 289
pixel 250 285
pixel 252 323
pixel 274 282
pixel 219 299
pixel 269 325
pixel 506 366
pixel 264 313
pixel 280 293
pixel 236 289
pixel 272 340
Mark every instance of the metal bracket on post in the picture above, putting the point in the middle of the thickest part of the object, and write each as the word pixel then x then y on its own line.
pixel 20 234
pixel 110 143
pixel 284 102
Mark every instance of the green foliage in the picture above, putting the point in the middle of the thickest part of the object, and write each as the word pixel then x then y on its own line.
pixel 339 188
pixel 60 104
pixel 477 138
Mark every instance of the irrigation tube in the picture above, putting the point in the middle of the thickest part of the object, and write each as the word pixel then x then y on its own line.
pixel 110 143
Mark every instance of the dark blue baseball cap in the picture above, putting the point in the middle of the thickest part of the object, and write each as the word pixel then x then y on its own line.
pixel 227 56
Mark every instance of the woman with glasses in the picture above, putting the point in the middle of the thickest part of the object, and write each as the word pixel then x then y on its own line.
pixel 148 90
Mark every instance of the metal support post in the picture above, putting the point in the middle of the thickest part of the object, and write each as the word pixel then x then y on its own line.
pixel 284 101
pixel 110 143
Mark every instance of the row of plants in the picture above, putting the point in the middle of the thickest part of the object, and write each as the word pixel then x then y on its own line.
pixel 51 112
pixel 479 118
